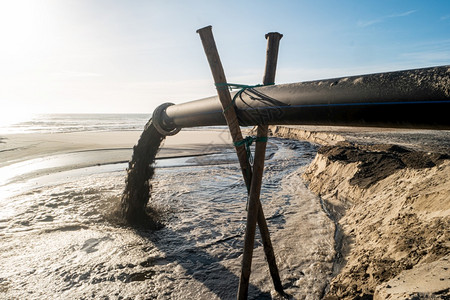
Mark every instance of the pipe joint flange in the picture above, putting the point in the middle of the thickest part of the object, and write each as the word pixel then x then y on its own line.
pixel 158 120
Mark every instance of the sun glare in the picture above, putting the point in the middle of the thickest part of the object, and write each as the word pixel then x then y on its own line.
pixel 23 30
pixel 25 27
pixel 14 115
pixel 19 23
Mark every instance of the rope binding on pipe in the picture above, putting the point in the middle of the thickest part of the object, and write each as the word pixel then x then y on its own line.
pixel 241 87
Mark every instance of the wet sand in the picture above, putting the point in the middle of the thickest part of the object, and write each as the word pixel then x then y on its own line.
pixel 104 147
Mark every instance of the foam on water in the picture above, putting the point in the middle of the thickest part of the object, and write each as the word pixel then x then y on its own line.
pixel 61 239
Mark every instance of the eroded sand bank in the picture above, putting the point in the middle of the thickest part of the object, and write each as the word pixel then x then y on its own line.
pixel 392 207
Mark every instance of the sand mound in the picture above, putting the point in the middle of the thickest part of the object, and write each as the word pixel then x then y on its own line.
pixel 393 209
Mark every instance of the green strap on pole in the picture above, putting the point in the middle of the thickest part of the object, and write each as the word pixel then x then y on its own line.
pixel 247 142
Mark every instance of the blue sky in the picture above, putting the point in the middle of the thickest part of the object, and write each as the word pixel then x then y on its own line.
pixel 130 56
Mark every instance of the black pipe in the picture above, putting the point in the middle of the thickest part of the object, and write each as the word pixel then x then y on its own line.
pixel 418 98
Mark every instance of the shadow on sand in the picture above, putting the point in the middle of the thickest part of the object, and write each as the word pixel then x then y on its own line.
pixel 199 264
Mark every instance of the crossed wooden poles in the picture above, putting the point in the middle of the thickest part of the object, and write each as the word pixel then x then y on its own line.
pixel 252 178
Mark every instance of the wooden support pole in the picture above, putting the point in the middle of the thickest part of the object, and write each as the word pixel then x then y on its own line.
pixel 273 44
pixel 254 207
pixel 235 131
pixel 225 98
pixel 255 212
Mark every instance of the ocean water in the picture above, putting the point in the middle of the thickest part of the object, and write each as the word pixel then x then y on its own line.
pixel 60 238
pixel 53 123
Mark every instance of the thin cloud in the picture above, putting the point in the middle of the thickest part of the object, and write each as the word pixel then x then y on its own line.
pixel 407 13
pixel 385 18
pixel 368 23
pixel 446 17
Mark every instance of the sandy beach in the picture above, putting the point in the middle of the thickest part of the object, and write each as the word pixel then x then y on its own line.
pixel 46 153
pixel 17 147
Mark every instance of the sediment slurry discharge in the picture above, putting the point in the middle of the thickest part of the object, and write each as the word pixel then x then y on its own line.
pixel 140 171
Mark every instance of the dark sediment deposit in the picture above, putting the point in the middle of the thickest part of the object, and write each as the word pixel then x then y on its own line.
pixel 379 161
pixel 140 171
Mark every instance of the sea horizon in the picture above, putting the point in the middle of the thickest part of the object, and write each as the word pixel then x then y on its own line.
pixel 75 122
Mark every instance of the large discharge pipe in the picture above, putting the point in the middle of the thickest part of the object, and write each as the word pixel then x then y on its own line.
pixel 418 98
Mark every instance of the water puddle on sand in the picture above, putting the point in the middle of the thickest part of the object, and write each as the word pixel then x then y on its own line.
pixel 61 240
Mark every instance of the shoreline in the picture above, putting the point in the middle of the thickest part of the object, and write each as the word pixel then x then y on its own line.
pixel 391 205
pixel 56 152
pixel 35 159
pixel 19 147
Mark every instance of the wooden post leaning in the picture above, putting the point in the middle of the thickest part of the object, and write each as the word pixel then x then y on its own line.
pixel 233 124
pixel 223 92
pixel 255 212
